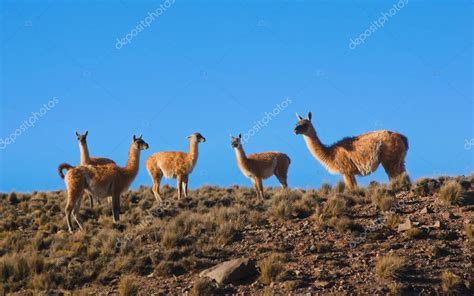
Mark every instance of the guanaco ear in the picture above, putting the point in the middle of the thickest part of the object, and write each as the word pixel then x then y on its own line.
pixel 240 136
pixel 134 138
pixel 298 116
pixel 141 136
pixel 77 134
pixel 87 132
pixel 310 116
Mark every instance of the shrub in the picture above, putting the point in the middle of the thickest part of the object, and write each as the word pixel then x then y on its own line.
pixel 450 193
pixel 390 266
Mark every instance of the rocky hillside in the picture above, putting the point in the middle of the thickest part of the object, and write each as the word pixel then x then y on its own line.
pixel 399 238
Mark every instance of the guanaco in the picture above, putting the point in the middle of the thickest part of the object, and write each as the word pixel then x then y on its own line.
pixel 86 159
pixel 101 181
pixel 359 155
pixel 260 166
pixel 174 165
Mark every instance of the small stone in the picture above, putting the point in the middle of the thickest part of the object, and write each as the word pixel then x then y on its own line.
pixel 426 210
pixel 447 215
pixel 321 284
pixel 437 224
pixel 405 225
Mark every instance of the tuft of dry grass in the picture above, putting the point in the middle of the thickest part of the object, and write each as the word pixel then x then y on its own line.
pixel 414 233
pixel 343 224
pixel 390 266
pixel 450 283
pixel 392 220
pixel 292 204
pixel 340 187
pixel 450 193
pixel 203 287
pixel 128 286
pixel 469 231
pixel 400 183
pixel 271 268
pixel 384 199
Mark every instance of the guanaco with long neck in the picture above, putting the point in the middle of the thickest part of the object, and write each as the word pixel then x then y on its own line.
pixel 260 166
pixel 86 159
pixel 174 164
pixel 360 155
pixel 101 181
pixel 84 152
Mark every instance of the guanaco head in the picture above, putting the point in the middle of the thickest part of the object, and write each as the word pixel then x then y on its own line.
pixel 236 142
pixel 303 125
pixel 197 138
pixel 82 138
pixel 139 143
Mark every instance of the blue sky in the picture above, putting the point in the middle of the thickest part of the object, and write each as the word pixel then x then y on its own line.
pixel 216 67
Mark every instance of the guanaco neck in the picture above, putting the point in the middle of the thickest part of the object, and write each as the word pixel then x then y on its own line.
pixel 317 149
pixel 133 162
pixel 241 156
pixel 85 158
pixel 193 152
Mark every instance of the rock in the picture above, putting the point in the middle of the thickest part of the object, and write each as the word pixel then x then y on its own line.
pixel 447 215
pixel 405 225
pixel 426 210
pixel 321 284
pixel 437 224
pixel 232 271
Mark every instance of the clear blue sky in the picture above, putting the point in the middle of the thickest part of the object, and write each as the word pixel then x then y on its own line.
pixel 216 67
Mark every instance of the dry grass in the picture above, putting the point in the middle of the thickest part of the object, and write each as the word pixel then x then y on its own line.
pixel 450 283
pixel 203 287
pixel 450 193
pixel 181 238
pixel 292 204
pixel 400 183
pixel 414 233
pixel 392 220
pixel 271 268
pixel 469 231
pixel 384 199
pixel 390 266
pixel 128 286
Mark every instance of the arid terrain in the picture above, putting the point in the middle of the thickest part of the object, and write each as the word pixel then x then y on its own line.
pixel 398 238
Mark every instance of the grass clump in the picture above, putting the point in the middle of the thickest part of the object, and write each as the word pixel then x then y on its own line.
pixel 415 233
pixel 203 287
pixel 450 283
pixel 127 286
pixel 450 193
pixel 469 230
pixel 390 266
pixel 400 183
pixel 392 220
pixel 292 204
pixel 271 268
pixel 382 198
